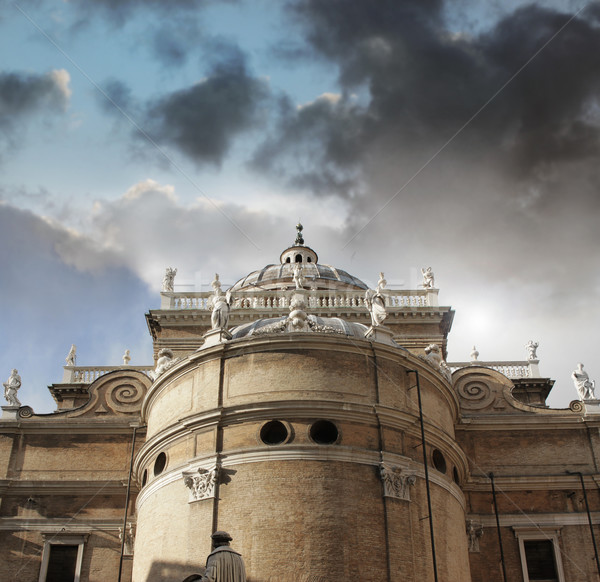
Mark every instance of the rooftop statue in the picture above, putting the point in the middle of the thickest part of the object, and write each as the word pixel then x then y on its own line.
pixel 585 387
pixel 428 278
pixel 474 354
pixel 299 239
pixel 375 301
pixel 11 387
pixel 166 360
pixel 168 282
pixel 221 305
pixel 299 278
pixel 126 358
pixel 433 354
pixel 71 356
pixel 532 347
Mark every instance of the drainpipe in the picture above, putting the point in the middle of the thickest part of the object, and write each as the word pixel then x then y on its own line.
pixel 416 373
pixel 498 527
pixel 124 534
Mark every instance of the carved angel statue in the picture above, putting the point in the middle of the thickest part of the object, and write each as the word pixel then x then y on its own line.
pixel 299 278
pixel 532 347
pixel 428 278
pixel 221 306
pixel 585 387
pixel 11 387
pixel 168 282
pixel 72 355
pixel 375 302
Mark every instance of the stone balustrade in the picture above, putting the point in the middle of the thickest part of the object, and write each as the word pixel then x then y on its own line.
pixel 511 369
pixel 278 299
pixel 88 374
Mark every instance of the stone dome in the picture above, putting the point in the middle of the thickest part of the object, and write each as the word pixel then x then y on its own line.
pixel 333 325
pixel 317 276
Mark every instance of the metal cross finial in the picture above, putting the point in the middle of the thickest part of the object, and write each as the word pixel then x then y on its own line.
pixel 299 239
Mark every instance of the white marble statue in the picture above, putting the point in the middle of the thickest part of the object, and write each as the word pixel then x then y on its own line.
pixel 428 278
pixel 531 348
pixel 585 387
pixel 433 354
pixel 11 387
pixel 126 358
pixel 72 356
pixel 299 278
pixel 474 354
pixel 474 532
pixel 168 282
pixel 220 305
pixel 375 302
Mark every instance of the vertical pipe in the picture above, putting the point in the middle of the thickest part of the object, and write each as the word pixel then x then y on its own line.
pixel 381 447
pixel 587 507
pixel 416 373
pixel 498 528
pixel 127 504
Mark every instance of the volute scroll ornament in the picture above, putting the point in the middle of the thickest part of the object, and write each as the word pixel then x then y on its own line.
pixel 396 483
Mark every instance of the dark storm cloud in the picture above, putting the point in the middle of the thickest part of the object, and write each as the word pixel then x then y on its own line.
pixel 201 121
pixel 424 82
pixel 23 94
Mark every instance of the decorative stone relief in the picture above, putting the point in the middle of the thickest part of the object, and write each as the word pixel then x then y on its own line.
pixel 168 282
pixel 201 483
pixel 474 532
pixel 475 394
pixel 129 539
pixel 166 360
pixel 396 483
pixel 433 355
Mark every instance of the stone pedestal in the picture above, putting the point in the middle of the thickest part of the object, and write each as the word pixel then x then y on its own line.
pixel 380 334
pixel 215 337
pixel 592 406
pixel 10 412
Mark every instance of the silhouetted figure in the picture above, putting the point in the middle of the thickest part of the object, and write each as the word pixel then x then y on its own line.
pixel 223 563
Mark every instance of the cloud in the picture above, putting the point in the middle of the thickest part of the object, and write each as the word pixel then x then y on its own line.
pixel 27 95
pixel 425 81
pixel 204 120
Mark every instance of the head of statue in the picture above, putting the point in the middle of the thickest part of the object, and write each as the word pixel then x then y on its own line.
pixel 220 538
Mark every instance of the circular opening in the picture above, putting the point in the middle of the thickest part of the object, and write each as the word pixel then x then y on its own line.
pixel 438 460
pixel 455 476
pixel 160 464
pixel 273 432
pixel 324 432
pixel 145 477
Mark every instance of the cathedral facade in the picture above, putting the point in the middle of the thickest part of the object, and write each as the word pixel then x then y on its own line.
pixel 318 422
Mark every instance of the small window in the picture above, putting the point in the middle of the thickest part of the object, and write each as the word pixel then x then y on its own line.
pixel 540 555
pixel 540 560
pixel 298 258
pixel 274 432
pixel 62 557
pixel 439 462
pixel 160 464
pixel 145 477
pixel 288 260
pixel 308 260
pixel 324 432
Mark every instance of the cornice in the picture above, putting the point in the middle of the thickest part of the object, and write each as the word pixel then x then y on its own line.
pixel 60 525
pixel 534 520
pixel 48 487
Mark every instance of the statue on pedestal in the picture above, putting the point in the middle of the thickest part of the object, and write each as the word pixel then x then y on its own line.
pixel 299 278
pixel 585 387
pixel 168 282
pixel 221 305
pixel 532 347
pixel 428 278
pixel 11 387
pixel 72 356
pixel 375 302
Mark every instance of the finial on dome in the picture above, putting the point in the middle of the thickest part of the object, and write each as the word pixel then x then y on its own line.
pixel 299 239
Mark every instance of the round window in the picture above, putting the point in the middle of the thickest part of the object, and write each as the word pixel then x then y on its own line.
pixel 439 462
pixel 324 432
pixel 160 464
pixel 274 432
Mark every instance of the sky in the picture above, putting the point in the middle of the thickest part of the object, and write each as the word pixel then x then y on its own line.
pixel 139 134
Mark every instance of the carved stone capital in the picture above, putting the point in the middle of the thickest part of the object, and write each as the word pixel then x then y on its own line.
pixel 396 482
pixel 201 483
